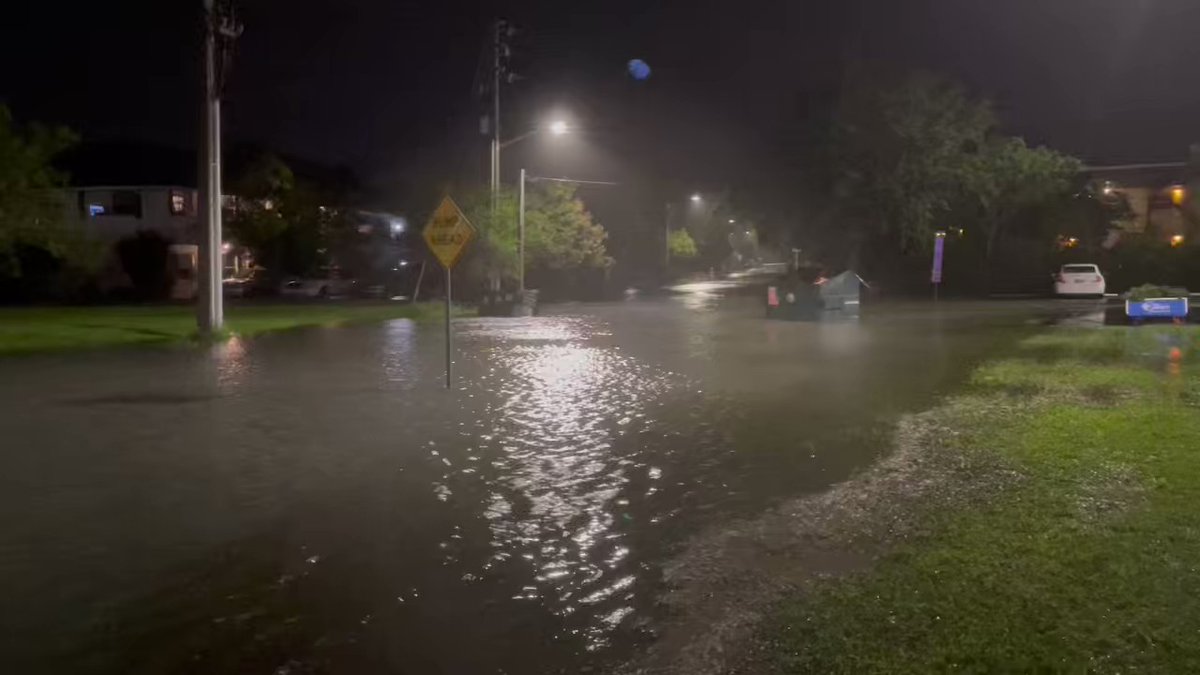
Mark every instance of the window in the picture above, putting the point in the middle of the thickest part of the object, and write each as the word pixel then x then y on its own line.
pixel 95 210
pixel 178 203
pixel 1079 269
pixel 127 203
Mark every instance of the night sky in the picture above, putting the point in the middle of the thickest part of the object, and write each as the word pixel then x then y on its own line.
pixel 386 86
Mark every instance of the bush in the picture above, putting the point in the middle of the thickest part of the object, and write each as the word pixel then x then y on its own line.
pixel 1147 291
pixel 144 259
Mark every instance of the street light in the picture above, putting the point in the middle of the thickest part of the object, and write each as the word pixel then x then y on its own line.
pixel 556 128
pixel 696 197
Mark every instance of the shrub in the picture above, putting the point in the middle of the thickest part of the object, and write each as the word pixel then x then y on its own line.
pixel 143 256
pixel 1147 291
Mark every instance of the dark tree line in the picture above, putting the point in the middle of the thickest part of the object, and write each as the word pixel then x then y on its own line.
pixel 892 159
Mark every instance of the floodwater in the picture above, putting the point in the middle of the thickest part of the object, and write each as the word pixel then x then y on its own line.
pixel 316 502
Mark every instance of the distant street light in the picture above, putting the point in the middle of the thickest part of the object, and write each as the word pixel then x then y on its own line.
pixel 732 221
pixel 559 127
pixel 696 197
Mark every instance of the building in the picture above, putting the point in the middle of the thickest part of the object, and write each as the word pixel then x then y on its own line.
pixel 1161 196
pixel 110 213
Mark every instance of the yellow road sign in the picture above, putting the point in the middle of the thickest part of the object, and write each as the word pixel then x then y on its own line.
pixel 448 233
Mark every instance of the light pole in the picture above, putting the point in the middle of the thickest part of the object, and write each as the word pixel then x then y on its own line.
pixel 556 128
pixel 220 30
pixel 521 237
pixel 667 240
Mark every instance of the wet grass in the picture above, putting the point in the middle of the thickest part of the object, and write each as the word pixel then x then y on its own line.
pixel 38 329
pixel 1089 563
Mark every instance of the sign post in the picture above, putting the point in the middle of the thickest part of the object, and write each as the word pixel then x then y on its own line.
pixel 939 250
pixel 447 234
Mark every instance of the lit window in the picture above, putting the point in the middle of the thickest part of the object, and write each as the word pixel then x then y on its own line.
pixel 95 210
pixel 1177 195
pixel 178 203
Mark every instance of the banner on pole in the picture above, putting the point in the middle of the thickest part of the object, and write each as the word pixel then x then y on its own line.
pixel 939 248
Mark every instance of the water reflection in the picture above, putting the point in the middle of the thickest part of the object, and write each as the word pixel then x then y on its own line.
pixel 555 501
pixel 399 366
pixel 231 363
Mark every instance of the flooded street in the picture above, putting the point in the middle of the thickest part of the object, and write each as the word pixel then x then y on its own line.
pixel 315 501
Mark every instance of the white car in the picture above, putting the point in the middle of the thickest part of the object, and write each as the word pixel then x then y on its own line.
pixel 316 288
pixel 1079 279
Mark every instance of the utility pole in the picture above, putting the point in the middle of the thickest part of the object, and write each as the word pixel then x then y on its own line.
pixel 220 30
pixel 497 44
pixel 501 32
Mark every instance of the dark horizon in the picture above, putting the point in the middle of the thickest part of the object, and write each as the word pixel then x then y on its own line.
pixel 386 88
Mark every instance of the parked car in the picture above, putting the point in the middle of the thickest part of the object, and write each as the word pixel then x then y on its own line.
pixel 236 287
pixel 255 284
pixel 317 288
pixel 1079 279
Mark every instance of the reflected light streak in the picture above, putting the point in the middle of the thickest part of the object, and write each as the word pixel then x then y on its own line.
pixel 232 363
pixel 557 504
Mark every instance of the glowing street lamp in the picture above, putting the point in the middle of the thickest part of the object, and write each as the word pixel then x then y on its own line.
pixel 556 128
pixel 696 198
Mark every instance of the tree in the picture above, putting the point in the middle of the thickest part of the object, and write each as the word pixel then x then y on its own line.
pixel 899 154
pixel 1008 179
pixel 1086 213
pixel 493 256
pixel 290 225
pixel 31 208
pixel 681 245
pixel 913 155
pixel 560 234
pixel 257 222
pixel 143 256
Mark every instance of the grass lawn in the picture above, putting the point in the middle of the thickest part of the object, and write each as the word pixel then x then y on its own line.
pixel 1088 562
pixel 35 329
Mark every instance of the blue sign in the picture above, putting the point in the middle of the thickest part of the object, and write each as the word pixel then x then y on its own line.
pixel 1165 308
